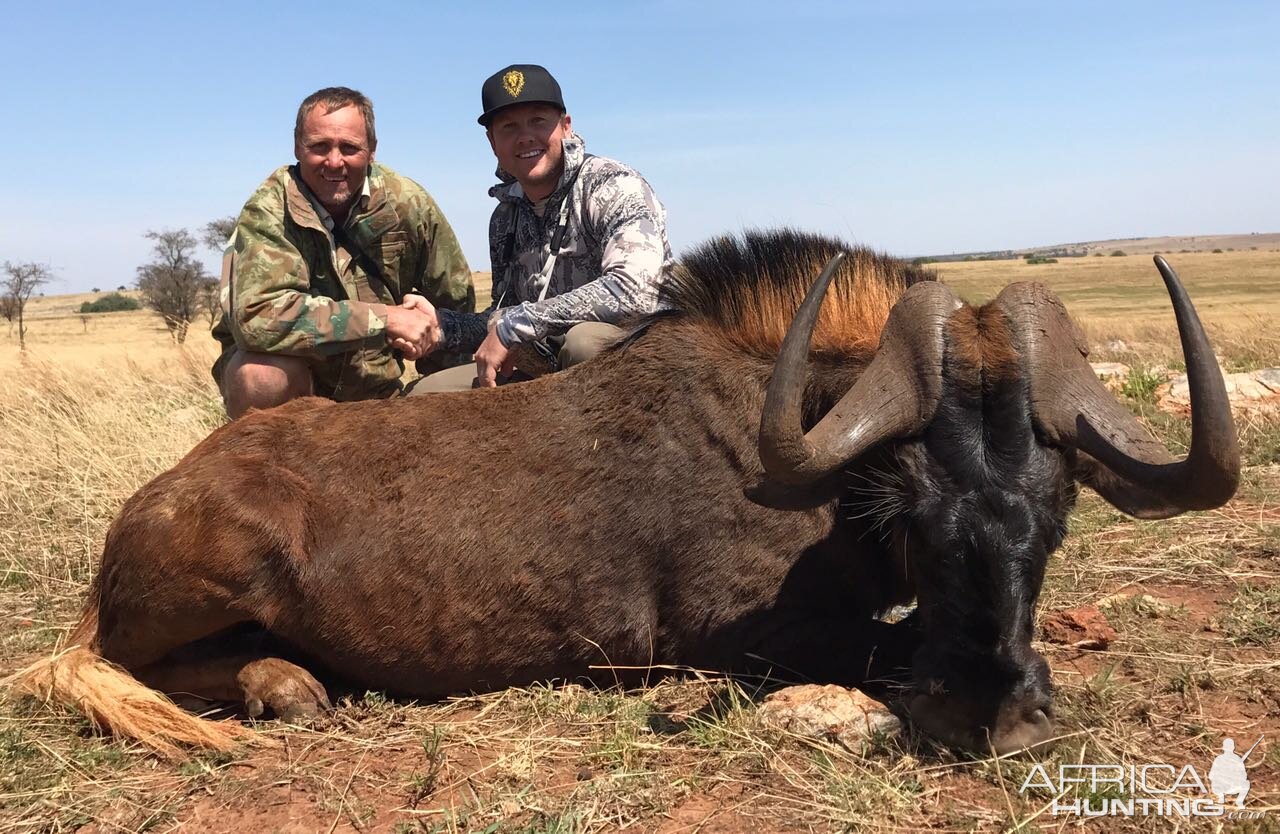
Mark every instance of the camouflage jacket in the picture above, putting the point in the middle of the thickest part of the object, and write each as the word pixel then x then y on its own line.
pixel 609 264
pixel 291 286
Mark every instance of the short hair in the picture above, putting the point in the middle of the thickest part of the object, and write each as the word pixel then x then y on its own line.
pixel 335 98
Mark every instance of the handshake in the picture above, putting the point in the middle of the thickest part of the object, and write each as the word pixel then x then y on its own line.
pixel 413 328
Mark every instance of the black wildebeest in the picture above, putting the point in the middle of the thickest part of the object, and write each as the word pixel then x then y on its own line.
pixel 727 486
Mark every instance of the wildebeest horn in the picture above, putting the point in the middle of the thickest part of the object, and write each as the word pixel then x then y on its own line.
pixel 1073 409
pixel 895 397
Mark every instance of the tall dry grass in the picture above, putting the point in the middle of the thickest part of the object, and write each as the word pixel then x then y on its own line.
pixel 74 444
pixel 1250 342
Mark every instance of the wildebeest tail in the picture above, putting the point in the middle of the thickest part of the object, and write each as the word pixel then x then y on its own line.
pixel 77 677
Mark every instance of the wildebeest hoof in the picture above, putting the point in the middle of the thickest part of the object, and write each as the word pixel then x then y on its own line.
pixel 290 692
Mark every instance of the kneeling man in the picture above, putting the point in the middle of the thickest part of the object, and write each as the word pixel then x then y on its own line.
pixel 578 242
pixel 335 270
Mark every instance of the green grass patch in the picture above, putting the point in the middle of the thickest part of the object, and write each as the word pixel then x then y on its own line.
pixel 1259 440
pixel 15 578
pixel 725 721
pixel 1141 384
pixel 1253 617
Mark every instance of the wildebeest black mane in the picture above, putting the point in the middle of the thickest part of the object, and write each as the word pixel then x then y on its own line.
pixel 750 285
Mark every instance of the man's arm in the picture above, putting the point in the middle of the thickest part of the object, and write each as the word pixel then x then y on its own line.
pixel 444 279
pixel 634 254
pixel 268 302
pixel 463 332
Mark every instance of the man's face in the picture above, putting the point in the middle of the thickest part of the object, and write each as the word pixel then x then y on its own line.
pixel 526 139
pixel 334 156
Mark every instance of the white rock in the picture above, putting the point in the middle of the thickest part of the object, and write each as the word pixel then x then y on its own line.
pixel 1111 370
pixel 1144 603
pixel 828 712
pixel 1270 377
pixel 1249 390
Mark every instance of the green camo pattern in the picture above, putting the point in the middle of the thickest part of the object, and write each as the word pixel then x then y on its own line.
pixel 284 291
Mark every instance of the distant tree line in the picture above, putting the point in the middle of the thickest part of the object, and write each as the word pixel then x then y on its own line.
pixel 174 283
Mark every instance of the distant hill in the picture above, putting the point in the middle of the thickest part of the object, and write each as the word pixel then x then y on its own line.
pixel 1128 245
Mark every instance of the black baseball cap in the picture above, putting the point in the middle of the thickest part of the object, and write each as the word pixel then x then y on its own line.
pixel 518 84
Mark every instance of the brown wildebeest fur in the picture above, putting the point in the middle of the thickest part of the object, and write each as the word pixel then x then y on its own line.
pixel 477 540
pixel 607 515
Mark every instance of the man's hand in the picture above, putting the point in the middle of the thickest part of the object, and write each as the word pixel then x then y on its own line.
pixel 413 328
pixel 492 358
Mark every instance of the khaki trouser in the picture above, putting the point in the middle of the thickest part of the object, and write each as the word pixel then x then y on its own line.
pixel 581 342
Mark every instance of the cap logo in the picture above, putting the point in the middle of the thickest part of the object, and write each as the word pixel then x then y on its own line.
pixel 513 83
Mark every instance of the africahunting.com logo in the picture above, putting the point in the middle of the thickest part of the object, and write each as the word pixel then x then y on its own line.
pixel 1150 790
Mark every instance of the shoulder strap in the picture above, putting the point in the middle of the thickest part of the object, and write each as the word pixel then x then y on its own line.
pixel 557 240
pixel 557 237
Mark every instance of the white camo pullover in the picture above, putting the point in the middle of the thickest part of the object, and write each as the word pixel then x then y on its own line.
pixel 609 265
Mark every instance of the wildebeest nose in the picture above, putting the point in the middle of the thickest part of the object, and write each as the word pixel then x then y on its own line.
pixel 1034 730
pixel 1038 710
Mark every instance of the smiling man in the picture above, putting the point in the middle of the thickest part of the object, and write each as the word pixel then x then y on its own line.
pixel 578 242
pixel 335 270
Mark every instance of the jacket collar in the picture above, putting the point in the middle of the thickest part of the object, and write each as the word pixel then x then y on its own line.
pixel 370 218
pixel 306 209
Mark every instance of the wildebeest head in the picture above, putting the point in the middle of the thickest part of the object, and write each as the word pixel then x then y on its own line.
pixel 989 418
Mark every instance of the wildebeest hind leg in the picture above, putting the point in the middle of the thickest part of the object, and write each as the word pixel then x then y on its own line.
pixel 171 577
pixel 223 668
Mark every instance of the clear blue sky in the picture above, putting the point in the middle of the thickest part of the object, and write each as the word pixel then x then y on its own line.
pixel 914 127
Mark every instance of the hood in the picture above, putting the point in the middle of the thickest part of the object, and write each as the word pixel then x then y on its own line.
pixel 575 151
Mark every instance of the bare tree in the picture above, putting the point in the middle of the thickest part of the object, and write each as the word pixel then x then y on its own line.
pixel 20 282
pixel 8 309
pixel 172 284
pixel 215 236
pixel 209 302
pixel 217 232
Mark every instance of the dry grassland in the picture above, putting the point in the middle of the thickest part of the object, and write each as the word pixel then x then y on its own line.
pixel 90 415
pixel 1236 293
pixel 117 340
